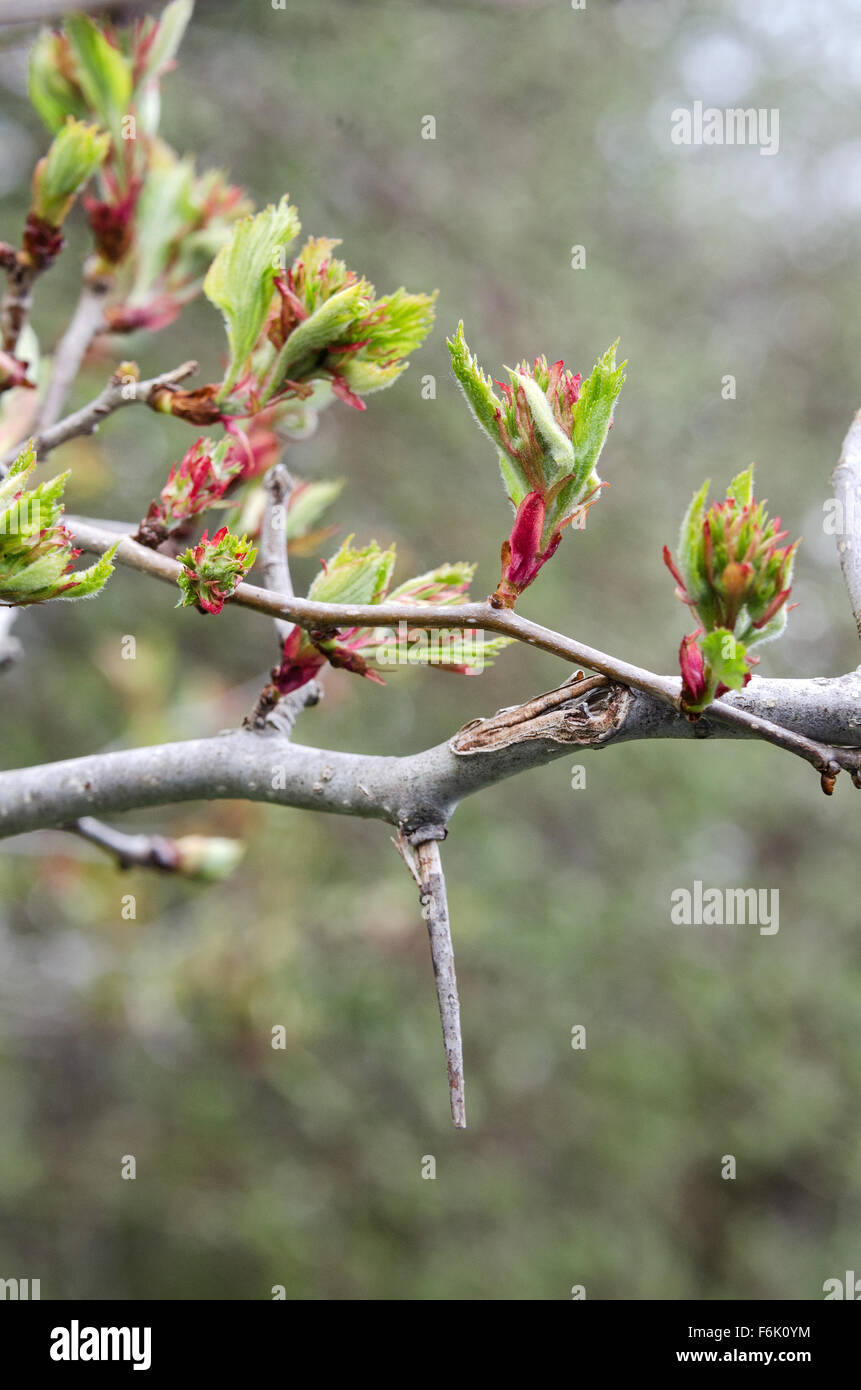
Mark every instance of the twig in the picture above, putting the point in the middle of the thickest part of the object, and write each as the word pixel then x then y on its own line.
pixel 17 298
pixel 48 11
pixel 846 481
pixel 145 851
pixel 825 759
pixel 283 713
pixel 273 540
pixel 86 323
pixel 431 881
pixel 121 390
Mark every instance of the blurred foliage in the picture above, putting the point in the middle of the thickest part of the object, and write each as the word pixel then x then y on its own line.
pixel 151 1036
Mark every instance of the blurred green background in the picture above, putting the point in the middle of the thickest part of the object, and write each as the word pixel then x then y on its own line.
pixel 151 1037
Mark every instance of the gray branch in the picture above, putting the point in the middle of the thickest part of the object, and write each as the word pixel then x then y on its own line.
pixel 86 323
pixel 122 390
pixel 414 791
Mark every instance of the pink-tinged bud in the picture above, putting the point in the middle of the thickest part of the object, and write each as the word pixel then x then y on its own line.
pixel 13 372
pixel 201 478
pixel 693 669
pixel 674 571
pixel 305 653
pixel 112 222
pixel 522 556
pixel 344 658
pixel 300 662
pixel 42 242
pixel 343 392
pixel 774 607
pixel 131 318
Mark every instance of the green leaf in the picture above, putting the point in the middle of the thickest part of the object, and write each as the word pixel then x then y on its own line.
pixel 401 322
pixel 53 96
pixel 240 280
pixel 448 583
pixel 725 655
pixel 76 152
pixel 104 73
pixel 593 414
pixel 164 209
pixel 90 581
pixel 171 26
pixel 691 542
pixel 354 576
pixel 740 489
pixel 478 388
pixel 555 441
pixel 328 324
pixel 513 479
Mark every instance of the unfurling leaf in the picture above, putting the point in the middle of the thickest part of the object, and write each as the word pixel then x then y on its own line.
pixel 36 549
pixel 195 484
pixel 76 152
pixel 548 429
pixel 364 576
pixel 241 278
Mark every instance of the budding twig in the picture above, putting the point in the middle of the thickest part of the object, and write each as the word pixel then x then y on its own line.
pixel 121 390
pixel 282 716
pixel 827 760
pixel 273 540
pixel 144 851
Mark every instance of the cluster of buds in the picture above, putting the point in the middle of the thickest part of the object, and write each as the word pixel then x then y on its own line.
pixel 198 482
pixel 76 152
pixel 180 220
pixel 36 549
pixel 735 576
pixel 304 334
pixel 212 569
pixel 155 224
pixel 549 428
pixel 364 576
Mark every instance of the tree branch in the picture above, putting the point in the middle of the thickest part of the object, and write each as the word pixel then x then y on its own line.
pixel 827 760
pixel 273 540
pixel 145 851
pixel 282 715
pixel 414 791
pixel 86 323
pixel 846 481
pixel 120 391
pixel 21 275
